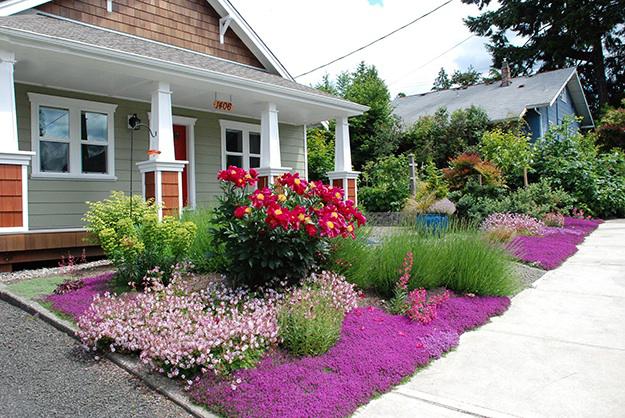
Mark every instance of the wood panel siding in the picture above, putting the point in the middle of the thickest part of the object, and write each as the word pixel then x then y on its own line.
pixel 11 196
pixel 171 196
pixel 150 186
pixel 44 246
pixel 189 24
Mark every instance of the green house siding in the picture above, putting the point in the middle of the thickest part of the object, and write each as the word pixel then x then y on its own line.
pixel 61 203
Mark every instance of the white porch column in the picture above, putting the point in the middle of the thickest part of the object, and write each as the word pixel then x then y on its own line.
pixel 343 175
pixel 162 124
pixel 13 162
pixel 8 119
pixel 270 160
pixel 162 173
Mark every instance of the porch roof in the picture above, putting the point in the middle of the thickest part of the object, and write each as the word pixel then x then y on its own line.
pixel 83 42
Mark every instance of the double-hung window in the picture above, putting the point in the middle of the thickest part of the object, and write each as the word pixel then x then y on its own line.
pixel 72 138
pixel 240 144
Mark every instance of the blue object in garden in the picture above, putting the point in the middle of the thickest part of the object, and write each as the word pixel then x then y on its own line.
pixel 434 223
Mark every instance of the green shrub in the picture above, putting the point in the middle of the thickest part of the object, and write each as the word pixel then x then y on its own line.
pixel 511 151
pixel 572 161
pixel 205 253
pixel 535 200
pixel 310 326
pixel 385 184
pixel 136 241
pixel 461 261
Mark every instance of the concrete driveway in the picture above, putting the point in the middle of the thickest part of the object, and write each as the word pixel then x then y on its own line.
pixel 558 352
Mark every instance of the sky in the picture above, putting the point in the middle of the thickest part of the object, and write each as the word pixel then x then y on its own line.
pixel 307 33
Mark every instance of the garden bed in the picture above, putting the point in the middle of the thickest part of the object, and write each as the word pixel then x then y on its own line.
pixel 551 249
pixel 375 351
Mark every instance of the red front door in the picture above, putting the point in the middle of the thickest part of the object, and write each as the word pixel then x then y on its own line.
pixel 180 151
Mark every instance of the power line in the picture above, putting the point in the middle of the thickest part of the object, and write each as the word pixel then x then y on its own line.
pixel 432 60
pixel 376 41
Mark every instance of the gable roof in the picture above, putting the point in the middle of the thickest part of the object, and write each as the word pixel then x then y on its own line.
pixel 238 24
pixel 500 103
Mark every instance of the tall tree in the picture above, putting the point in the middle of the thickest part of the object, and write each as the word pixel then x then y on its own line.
pixel 373 134
pixel 587 33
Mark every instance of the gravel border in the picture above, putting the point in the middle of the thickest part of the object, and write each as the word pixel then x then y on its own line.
pixel 50 271
pixel 132 365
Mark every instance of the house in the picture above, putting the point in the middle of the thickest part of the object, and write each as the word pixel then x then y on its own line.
pixel 541 100
pixel 73 73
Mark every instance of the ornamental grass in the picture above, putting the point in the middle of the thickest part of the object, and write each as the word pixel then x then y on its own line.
pixel 461 261
pixel 556 245
pixel 375 352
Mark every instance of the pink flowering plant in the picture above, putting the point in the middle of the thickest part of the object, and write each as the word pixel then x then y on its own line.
pixel 417 304
pixel 282 231
pixel 505 226
pixel 554 220
pixel 181 333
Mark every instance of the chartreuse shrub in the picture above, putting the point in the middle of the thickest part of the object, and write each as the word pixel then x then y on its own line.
pixel 310 318
pixel 280 232
pixel 134 239
pixel 462 261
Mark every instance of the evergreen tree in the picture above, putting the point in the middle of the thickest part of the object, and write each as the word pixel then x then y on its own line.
pixel 442 81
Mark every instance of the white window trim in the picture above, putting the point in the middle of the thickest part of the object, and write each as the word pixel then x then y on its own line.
pixel 246 128
pixel 75 106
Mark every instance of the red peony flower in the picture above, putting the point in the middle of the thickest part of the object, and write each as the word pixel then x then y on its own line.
pixel 241 211
pixel 263 197
pixel 238 176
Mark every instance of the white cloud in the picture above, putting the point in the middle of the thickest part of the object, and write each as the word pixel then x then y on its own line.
pixel 305 34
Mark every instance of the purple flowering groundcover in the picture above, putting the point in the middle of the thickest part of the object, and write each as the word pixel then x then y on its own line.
pixel 75 303
pixel 375 352
pixel 556 245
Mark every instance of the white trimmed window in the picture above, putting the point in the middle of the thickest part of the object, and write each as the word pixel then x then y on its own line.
pixel 72 138
pixel 240 144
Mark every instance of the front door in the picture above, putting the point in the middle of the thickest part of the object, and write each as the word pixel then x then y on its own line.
pixel 180 151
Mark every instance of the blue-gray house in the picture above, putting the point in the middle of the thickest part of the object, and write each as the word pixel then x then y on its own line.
pixel 541 100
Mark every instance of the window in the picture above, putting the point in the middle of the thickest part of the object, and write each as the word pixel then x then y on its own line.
pixel 240 144
pixel 72 138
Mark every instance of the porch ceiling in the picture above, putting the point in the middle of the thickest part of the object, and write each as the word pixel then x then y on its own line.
pixel 111 73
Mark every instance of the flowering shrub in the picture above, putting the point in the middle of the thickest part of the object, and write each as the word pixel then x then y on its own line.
pixel 181 333
pixel 135 240
pixel 554 219
pixel 282 231
pixel 375 352
pixel 310 317
pixel 503 226
pixel 398 304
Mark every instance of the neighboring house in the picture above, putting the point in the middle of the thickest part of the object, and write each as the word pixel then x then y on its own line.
pixel 72 72
pixel 541 100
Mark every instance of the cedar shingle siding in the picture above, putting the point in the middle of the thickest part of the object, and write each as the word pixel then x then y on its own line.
pixel 190 24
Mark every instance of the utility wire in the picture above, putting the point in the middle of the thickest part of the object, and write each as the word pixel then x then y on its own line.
pixel 376 41
pixel 431 60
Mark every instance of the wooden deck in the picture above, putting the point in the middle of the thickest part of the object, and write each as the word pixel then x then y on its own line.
pixel 45 245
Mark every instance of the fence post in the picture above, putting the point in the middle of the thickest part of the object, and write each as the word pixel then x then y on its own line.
pixel 413 176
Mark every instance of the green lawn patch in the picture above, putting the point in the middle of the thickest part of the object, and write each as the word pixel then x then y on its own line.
pixel 34 288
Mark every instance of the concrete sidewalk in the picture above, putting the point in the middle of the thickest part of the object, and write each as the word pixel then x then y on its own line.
pixel 558 352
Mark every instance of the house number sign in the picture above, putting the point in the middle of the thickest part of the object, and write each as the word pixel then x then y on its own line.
pixel 223 105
